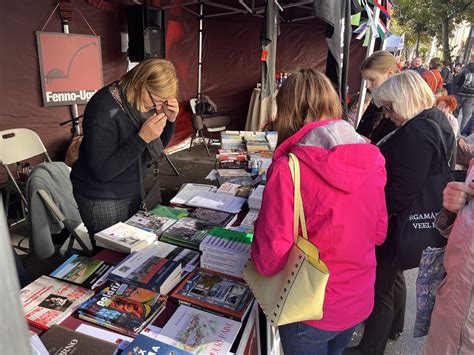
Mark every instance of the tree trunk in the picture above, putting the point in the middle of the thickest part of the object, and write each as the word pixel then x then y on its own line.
pixel 445 37
pixel 417 49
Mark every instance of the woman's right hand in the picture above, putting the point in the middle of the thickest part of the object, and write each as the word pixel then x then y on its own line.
pixel 152 128
pixel 455 195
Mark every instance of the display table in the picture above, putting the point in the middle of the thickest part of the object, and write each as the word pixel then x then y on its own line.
pixel 260 111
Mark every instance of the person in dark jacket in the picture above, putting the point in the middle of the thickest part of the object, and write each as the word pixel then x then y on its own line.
pixel 375 69
pixel 412 153
pixel 126 125
pixel 465 82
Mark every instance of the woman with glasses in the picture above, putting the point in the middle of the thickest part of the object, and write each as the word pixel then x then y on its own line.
pixel 126 125
pixel 412 153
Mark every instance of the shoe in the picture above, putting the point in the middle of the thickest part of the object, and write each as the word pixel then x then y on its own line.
pixel 395 336
pixel 352 351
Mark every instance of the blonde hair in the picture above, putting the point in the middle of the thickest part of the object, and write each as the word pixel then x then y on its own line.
pixel 380 61
pixel 407 92
pixel 158 76
pixel 306 96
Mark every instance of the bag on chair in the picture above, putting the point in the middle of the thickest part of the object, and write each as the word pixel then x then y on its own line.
pixel 297 292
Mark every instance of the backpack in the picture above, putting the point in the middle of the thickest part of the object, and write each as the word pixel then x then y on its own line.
pixel 204 106
pixel 468 85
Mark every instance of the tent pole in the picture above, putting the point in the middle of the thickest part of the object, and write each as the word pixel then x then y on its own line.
pixel 201 20
pixel 370 50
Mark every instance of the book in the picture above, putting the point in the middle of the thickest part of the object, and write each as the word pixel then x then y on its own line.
pixel 47 301
pixel 227 242
pixel 122 307
pixel 158 268
pixel 187 232
pixel 188 191
pixel 150 222
pixel 210 290
pixel 217 218
pixel 125 238
pixel 199 332
pixel 220 202
pixel 81 270
pixel 228 188
pixel 61 341
pixel 250 219
pixel 170 212
pixel 232 172
pixel 143 345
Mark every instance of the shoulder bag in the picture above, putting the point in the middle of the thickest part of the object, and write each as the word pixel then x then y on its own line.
pixel 415 230
pixel 297 292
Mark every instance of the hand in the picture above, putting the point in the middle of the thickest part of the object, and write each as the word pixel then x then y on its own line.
pixel 152 128
pixel 171 109
pixel 455 195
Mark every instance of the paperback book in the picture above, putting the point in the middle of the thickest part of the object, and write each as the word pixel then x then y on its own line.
pixel 143 345
pixel 187 232
pixel 150 222
pixel 214 217
pixel 170 212
pixel 209 290
pixel 125 238
pixel 199 332
pixel 122 307
pixel 83 271
pixel 61 341
pixel 47 301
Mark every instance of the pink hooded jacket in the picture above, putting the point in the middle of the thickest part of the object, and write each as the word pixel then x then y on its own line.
pixel 342 187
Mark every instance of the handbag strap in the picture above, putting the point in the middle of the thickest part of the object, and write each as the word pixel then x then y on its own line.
pixel 298 214
pixel 444 152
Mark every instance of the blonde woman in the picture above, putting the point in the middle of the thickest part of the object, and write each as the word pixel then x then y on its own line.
pixel 126 125
pixel 412 153
pixel 338 170
pixel 375 69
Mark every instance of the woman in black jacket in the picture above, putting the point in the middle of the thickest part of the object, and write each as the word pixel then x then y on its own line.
pixel 412 152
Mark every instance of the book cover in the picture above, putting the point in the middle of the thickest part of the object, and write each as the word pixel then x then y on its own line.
pixel 170 212
pixel 123 306
pixel 212 290
pixel 81 270
pixel 217 218
pixel 143 345
pixel 125 237
pixel 219 202
pixel 60 341
pixel 199 332
pixel 47 301
pixel 187 232
pixel 150 222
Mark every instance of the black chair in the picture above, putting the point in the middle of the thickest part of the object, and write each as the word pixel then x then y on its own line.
pixel 210 123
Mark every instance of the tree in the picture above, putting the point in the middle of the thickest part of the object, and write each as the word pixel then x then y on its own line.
pixel 430 17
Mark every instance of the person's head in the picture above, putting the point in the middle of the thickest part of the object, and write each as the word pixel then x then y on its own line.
pixel 446 62
pixel 377 68
pixel 434 63
pixel 150 84
pixel 446 103
pixel 404 96
pixel 416 62
pixel 441 92
pixel 306 96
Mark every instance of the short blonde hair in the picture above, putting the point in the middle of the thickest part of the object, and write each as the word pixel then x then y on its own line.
pixel 406 92
pixel 380 61
pixel 306 96
pixel 158 76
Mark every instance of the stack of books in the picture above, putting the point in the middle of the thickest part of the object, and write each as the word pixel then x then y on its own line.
pixel 232 140
pixel 159 268
pixel 123 308
pixel 215 293
pixel 124 238
pixel 225 251
pixel 272 138
pixel 199 332
pixel 249 220
pixel 234 176
pixel 232 159
pixel 255 198
pixel 48 301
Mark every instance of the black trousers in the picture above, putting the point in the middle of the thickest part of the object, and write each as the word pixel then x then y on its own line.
pixel 388 315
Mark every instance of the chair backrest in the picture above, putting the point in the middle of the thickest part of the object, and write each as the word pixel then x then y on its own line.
pixel 192 103
pixel 20 144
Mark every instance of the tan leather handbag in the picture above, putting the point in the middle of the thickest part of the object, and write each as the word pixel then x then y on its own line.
pixel 297 292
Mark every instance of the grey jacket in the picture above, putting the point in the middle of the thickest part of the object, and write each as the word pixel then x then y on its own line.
pixel 54 179
pixel 452 321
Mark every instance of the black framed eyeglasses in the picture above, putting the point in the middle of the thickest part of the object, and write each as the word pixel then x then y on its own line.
pixel 156 105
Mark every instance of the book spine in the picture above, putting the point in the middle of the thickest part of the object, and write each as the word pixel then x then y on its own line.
pixel 234 273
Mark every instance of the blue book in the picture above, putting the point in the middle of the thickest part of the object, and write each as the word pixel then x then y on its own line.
pixel 146 345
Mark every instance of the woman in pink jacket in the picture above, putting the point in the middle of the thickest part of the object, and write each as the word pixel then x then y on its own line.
pixel 342 187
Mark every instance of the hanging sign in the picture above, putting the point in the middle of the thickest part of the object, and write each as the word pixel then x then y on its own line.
pixel 70 67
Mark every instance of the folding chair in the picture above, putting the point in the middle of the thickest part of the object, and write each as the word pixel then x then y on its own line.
pixel 16 145
pixel 211 123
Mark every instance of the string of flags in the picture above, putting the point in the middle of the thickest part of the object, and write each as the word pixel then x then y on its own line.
pixel 371 25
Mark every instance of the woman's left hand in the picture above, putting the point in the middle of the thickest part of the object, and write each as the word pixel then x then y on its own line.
pixel 171 109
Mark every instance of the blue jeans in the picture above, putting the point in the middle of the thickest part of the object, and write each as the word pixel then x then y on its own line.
pixel 301 339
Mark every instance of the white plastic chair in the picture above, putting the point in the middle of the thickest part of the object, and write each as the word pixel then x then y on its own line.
pixel 16 145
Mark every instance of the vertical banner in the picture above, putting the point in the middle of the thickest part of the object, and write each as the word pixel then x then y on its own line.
pixel 70 67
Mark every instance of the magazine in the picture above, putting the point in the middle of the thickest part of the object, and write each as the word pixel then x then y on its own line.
pixel 83 271
pixel 150 222
pixel 124 237
pixel 217 201
pixel 214 291
pixel 187 232
pixel 217 218
pixel 188 191
pixel 47 301
pixel 199 332
pixel 143 345
pixel 122 307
